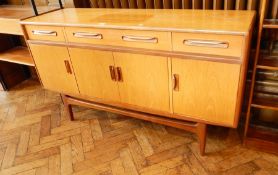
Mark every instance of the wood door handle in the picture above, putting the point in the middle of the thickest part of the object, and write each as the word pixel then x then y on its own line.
pixel 176 85
pixel 67 64
pixel 119 75
pixel 112 73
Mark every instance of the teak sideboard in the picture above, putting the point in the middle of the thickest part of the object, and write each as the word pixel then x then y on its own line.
pixel 181 68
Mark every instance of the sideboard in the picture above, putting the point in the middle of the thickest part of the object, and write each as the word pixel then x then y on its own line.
pixel 181 68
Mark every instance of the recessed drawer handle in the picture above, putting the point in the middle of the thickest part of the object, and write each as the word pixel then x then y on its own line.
pixel 140 39
pixel 87 35
pixel 206 43
pixel 45 32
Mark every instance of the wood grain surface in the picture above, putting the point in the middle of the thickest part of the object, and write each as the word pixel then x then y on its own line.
pixel 50 63
pixel 145 80
pixel 111 144
pixel 91 68
pixel 207 90
pixel 234 22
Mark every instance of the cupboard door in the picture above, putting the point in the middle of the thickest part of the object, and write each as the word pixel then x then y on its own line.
pixel 143 80
pixel 54 67
pixel 94 73
pixel 205 90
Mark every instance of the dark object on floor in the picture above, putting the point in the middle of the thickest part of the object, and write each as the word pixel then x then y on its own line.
pixel 2 2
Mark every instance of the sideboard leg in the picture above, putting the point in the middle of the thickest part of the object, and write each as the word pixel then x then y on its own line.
pixel 67 108
pixel 201 133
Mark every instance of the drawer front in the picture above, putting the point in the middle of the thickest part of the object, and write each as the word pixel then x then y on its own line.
pixel 86 35
pixel 49 33
pixel 224 45
pixel 125 38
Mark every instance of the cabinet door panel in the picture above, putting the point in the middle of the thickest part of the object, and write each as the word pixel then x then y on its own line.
pixel 51 64
pixel 145 80
pixel 93 74
pixel 207 90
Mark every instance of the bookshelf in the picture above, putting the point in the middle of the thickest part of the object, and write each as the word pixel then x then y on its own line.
pixel 261 127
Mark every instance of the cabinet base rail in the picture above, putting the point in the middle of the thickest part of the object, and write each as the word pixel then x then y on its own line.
pixel 200 129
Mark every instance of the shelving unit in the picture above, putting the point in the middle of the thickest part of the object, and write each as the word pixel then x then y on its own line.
pixel 270 24
pixel 19 55
pixel 261 134
pixel 268 63
pixel 11 15
pixel 9 21
pixel 16 51
pixel 265 103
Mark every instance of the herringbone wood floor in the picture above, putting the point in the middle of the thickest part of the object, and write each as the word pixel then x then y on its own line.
pixel 37 138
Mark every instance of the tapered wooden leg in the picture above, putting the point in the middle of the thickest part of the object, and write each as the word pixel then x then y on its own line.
pixel 68 108
pixel 201 133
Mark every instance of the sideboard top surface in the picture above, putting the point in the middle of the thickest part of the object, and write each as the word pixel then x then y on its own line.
pixel 211 21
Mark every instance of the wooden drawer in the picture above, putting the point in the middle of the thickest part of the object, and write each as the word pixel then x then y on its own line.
pixel 126 38
pixel 215 44
pixel 49 33
pixel 87 35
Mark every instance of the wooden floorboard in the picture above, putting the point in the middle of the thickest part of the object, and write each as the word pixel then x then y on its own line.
pixel 37 138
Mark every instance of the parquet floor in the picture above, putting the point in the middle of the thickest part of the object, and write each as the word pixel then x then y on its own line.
pixel 37 138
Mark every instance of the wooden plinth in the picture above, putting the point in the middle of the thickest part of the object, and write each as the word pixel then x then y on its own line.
pixel 194 127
